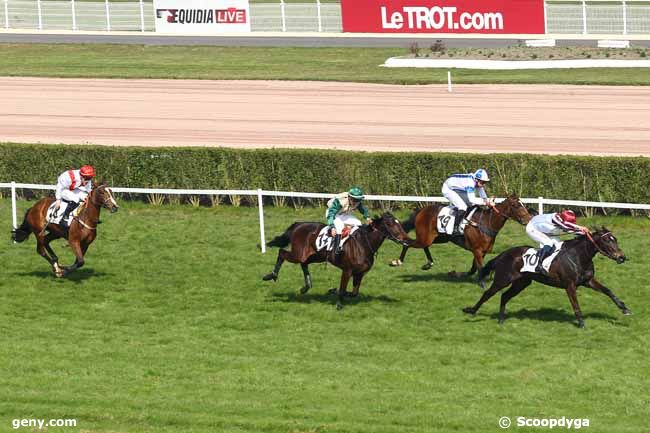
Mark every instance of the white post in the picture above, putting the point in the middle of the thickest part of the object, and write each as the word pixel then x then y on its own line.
pixel 624 18
pixel 540 205
pixel 108 16
pixel 584 17
pixel 284 17
pixel 320 20
pixel 142 15
pixel 545 19
pixel 449 81
pixel 40 15
pixel 74 15
pixel 260 205
pixel 6 14
pixel 14 219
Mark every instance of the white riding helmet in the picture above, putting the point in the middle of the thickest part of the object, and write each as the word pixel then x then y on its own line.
pixel 481 175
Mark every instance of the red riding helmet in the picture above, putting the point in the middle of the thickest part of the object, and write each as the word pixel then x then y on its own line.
pixel 568 216
pixel 87 171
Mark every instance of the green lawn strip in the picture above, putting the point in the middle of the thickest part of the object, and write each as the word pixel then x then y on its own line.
pixel 169 328
pixel 264 63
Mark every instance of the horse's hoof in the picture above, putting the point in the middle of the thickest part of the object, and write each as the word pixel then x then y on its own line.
pixel 482 284
pixel 272 276
pixel 627 312
pixel 581 324
pixel 501 322
pixel 469 310
pixel 339 306
pixel 304 290
pixel 427 266
pixel 395 263
pixel 332 291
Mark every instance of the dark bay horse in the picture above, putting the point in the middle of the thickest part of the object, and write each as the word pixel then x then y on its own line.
pixel 573 267
pixel 82 231
pixel 358 252
pixel 478 237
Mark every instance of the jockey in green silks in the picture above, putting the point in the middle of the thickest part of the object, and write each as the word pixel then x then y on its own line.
pixel 339 213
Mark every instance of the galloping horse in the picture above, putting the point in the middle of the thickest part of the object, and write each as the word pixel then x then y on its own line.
pixel 358 252
pixel 80 235
pixel 479 235
pixel 572 267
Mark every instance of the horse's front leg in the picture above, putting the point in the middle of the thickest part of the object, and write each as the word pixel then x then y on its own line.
pixel 345 278
pixel 356 283
pixel 79 261
pixel 400 261
pixel 597 286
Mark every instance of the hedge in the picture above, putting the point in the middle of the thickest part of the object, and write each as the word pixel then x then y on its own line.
pixel 618 179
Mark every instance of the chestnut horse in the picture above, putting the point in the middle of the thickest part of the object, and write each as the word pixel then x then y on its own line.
pixel 355 261
pixel 479 234
pixel 572 267
pixel 82 231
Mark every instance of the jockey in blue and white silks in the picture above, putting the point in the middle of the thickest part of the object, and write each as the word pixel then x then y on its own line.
pixel 460 190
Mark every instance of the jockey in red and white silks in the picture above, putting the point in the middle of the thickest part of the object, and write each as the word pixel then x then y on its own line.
pixel 460 190
pixel 72 187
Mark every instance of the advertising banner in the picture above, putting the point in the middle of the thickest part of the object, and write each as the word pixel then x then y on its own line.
pixel 443 16
pixel 202 16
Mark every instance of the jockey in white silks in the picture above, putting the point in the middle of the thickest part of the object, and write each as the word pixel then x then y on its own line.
pixel 460 190
pixel 72 187
pixel 547 228
pixel 339 213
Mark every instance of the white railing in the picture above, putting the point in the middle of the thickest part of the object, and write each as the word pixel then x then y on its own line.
pixel 540 201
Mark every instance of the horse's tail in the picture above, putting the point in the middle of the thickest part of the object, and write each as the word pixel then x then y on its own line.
pixel 22 232
pixel 409 224
pixel 488 268
pixel 284 239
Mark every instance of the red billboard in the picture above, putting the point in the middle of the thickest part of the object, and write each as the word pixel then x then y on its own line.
pixel 443 16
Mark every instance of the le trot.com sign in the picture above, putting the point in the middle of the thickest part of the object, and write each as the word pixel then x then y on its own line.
pixel 202 16
pixel 443 16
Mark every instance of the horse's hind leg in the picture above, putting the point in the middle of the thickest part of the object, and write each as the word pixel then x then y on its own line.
pixel 597 286
pixel 345 277
pixel 429 263
pixel 282 256
pixel 513 291
pixel 42 250
pixel 573 298
pixel 307 276
pixel 496 286
pixel 58 270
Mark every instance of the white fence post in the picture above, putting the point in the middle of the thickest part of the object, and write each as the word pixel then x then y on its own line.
pixel 540 205
pixel 142 15
pixel 584 17
pixel 284 17
pixel 545 19
pixel 108 16
pixel 320 20
pixel 74 15
pixel 40 15
pixel 6 14
pixel 624 18
pixel 260 205
pixel 14 218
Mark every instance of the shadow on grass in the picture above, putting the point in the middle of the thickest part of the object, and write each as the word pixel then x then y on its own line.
pixel 329 298
pixel 77 276
pixel 545 315
pixel 441 276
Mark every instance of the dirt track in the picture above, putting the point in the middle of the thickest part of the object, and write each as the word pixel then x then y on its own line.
pixel 476 118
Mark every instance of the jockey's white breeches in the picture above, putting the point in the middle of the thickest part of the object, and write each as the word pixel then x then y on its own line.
pixel 74 196
pixel 454 197
pixel 342 220
pixel 542 237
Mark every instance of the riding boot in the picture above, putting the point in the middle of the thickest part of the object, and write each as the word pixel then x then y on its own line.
pixel 544 252
pixel 64 218
pixel 338 249
pixel 460 214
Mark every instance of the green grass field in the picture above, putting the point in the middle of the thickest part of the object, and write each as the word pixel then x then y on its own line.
pixel 169 328
pixel 265 63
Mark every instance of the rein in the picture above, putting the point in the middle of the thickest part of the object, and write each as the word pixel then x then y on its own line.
pixel 588 235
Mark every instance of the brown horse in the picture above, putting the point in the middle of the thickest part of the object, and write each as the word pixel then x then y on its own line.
pixel 573 267
pixel 355 261
pixel 82 231
pixel 479 234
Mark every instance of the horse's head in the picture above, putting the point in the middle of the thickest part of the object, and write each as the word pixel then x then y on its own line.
pixel 103 196
pixel 607 245
pixel 392 229
pixel 512 207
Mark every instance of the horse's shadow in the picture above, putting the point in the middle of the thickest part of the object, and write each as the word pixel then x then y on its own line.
pixel 441 276
pixel 78 276
pixel 329 298
pixel 550 315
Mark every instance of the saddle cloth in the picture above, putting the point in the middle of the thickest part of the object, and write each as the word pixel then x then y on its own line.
pixel 325 241
pixel 446 218
pixel 54 214
pixel 530 259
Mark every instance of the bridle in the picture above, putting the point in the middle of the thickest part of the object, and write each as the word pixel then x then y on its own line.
pixel 105 202
pixel 600 250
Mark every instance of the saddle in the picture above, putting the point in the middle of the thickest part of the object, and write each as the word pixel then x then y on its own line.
pixel 325 241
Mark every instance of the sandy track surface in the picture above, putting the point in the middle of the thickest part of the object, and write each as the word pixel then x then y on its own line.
pixel 256 114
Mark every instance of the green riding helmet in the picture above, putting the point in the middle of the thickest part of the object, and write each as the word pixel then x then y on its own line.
pixel 356 193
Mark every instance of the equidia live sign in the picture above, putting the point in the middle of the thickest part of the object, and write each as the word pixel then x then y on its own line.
pixel 202 16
